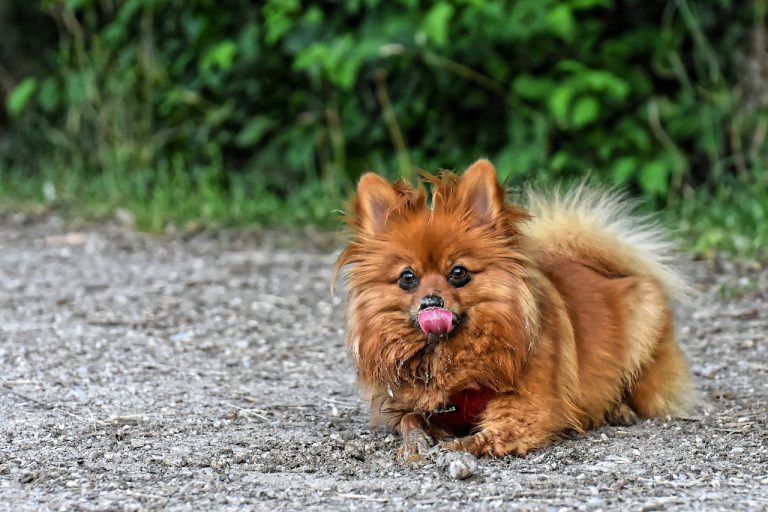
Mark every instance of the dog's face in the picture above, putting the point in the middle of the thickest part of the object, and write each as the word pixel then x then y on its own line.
pixel 438 294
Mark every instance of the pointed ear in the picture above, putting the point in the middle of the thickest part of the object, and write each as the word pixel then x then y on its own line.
pixel 481 193
pixel 375 199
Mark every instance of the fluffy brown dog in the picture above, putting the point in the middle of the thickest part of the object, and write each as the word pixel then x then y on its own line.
pixel 473 317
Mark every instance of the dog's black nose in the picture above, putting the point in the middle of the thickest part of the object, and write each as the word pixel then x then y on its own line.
pixel 431 301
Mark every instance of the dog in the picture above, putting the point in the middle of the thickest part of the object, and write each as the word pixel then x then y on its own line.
pixel 499 327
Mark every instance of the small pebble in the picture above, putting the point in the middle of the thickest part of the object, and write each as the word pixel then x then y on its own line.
pixel 28 477
pixel 594 502
pixel 352 448
pixel 748 344
pixel 459 465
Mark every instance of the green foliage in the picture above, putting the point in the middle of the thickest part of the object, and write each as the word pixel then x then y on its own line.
pixel 20 96
pixel 262 101
pixel 730 218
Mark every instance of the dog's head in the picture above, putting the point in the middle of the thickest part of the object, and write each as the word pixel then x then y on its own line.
pixel 437 292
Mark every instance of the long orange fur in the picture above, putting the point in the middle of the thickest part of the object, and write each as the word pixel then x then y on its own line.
pixel 565 323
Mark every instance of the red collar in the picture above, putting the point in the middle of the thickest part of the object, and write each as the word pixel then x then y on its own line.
pixel 461 413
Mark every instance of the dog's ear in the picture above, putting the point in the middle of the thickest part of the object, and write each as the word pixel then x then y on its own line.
pixel 480 192
pixel 376 198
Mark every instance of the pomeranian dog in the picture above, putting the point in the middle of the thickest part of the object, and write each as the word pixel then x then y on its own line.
pixel 500 326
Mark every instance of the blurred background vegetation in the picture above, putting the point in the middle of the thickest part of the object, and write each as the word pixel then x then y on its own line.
pixel 238 112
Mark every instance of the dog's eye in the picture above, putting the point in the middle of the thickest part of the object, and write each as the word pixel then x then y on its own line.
pixel 459 276
pixel 408 280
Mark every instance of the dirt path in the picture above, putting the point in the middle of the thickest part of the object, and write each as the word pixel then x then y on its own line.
pixel 210 374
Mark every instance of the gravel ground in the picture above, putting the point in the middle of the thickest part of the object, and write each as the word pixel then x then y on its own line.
pixel 210 374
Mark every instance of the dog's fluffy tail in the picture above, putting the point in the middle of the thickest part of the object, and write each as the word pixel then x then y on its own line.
pixel 601 229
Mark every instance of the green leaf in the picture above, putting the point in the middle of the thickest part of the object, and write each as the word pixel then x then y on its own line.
pixel 79 87
pixel 623 169
pixel 560 101
pixel 313 58
pixel 279 18
pixel 532 87
pixel 585 110
pixel 254 131
pixel 49 95
pixel 437 22
pixel 338 62
pixel 20 96
pixel 559 161
pixel 313 15
pixel 561 21
pixel 590 4
pixel 654 178
pixel 77 4
pixel 570 66
pixel 221 55
pixel 248 41
pixel 605 81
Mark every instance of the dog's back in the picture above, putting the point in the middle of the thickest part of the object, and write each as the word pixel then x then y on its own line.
pixel 586 241
pixel 599 229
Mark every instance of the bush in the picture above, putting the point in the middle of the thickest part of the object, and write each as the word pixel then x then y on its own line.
pixel 257 100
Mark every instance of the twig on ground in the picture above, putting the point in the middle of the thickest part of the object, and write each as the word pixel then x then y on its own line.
pixel 24 397
pixel 136 494
pixel 129 419
pixel 350 405
pixel 250 412
pixel 359 497
pixel 85 420
pixel 52 407
pixel 255 400
pixel 153 364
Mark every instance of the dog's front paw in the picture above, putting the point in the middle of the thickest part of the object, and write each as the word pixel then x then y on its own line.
pixel 415 445
pixel 621 415
pixel 477 444
pixel 485 443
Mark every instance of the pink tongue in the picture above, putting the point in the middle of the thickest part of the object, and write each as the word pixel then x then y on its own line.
pixel 437 321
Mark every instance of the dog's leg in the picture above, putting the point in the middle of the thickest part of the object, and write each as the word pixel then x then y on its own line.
pixel 416 439
pixel 621 415
pixel 661 381
pixel 663 386
pixel 512 425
